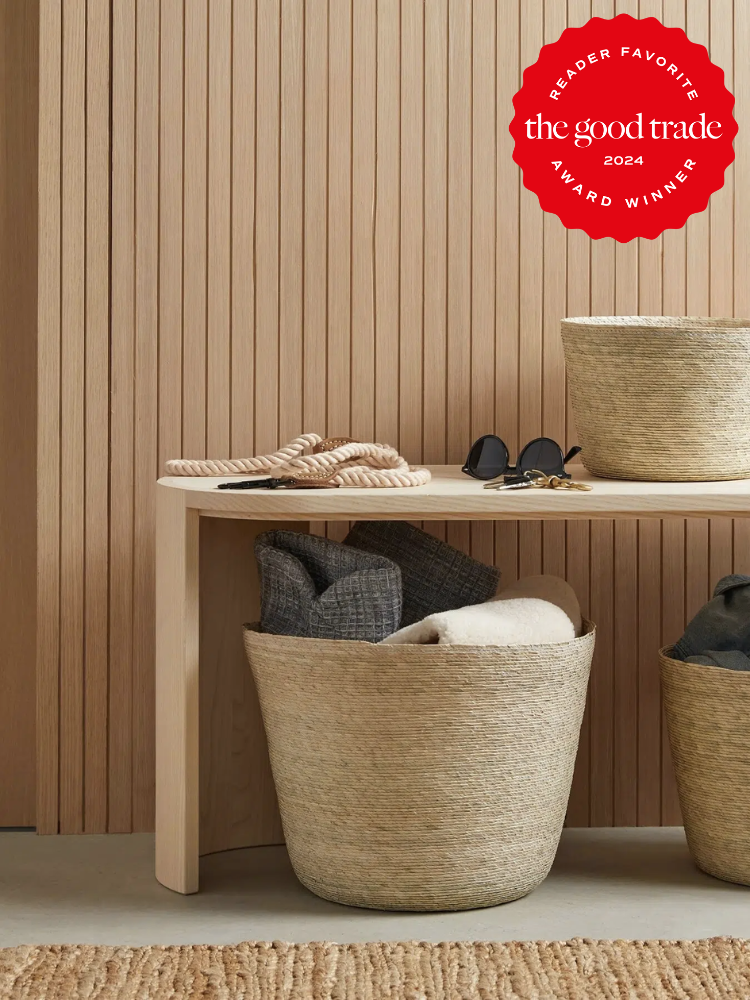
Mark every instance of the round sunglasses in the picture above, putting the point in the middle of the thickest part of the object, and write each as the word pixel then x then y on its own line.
pixel 488 458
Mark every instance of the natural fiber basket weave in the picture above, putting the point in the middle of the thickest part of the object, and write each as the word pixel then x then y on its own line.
pixel 421 777
pixel 661 397
pixel 708 716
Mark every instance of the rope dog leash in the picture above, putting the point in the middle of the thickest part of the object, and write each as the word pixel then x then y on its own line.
pixel 333 462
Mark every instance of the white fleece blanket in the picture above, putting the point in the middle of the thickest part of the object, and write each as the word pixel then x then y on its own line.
pixel 523 621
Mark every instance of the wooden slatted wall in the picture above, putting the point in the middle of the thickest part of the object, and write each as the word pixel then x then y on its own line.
pixel 19 94
pixel 259 217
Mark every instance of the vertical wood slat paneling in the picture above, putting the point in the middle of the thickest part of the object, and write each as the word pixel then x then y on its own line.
pixel 387 219
pixel 648 689
pixel 315 223
pixel 483 229
pixel 458 319
pixel 647 709
pixel 742 232
pixel 219 226
pixel 170 216
pixel 721 270
pixel 625 566
pixel 674 275
pixel 315 208
pixel 48 421
pixel 145 404
pixel 194 234
pixel 242 405
pixel 122 340
pixel 364 178
pixel 553 403
pixel 315 237
pixel 97 417
pixel 507 265
pixel 291 220
pixel 531 300
pixel 268 62
pixel 171 96
pixel 577 533
pixel 338 347
pixel 698 304
pixel 411 330
pixel 673 621
pixel 72 440
pixel 602 302
pixel 338 342
pixel 19 360
pixel 435 289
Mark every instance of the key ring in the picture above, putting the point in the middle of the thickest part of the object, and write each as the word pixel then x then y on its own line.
pixel 540 480
pixel 536 479
pixel 523 481
pixel 556 483
pixel 543 481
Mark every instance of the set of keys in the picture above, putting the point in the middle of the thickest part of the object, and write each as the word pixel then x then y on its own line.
pixel 534 479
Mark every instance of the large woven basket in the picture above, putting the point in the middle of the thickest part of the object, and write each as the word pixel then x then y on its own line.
pixel 421 777
pixel 659 397
pixel 708 716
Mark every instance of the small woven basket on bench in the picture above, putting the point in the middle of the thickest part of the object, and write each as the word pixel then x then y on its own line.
pixel 659 397
pixel 708 717
pixel 421 777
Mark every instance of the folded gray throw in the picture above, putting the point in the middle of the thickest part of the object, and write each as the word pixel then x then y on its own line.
pixel 730 659
pixel 721 625
pixel 320 589
pixel 435 576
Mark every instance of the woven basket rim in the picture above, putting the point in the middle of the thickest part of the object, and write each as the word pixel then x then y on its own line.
pixel 698 324
pixel 589 629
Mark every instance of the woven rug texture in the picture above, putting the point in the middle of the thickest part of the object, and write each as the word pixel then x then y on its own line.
pixel 533 970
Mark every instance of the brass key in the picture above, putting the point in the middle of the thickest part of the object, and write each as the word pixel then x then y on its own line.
pixel 534 479
pixel 543 481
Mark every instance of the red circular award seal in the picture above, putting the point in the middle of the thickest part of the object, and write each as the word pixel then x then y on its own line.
pixel 623 128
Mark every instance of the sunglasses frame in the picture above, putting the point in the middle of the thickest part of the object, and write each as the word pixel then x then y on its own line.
pixel 513 470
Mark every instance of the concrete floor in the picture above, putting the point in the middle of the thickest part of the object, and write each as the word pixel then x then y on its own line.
pixel 101 889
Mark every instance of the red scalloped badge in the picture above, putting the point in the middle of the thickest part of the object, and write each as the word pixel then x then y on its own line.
pixel 623 128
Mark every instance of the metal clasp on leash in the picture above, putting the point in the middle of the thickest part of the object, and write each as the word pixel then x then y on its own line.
pixel 256 484
pixel 305 481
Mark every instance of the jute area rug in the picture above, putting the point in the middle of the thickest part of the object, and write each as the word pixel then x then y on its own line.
pixel 572 970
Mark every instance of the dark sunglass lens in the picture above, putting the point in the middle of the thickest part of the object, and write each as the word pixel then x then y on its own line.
pixel 543 454
pixel 488 457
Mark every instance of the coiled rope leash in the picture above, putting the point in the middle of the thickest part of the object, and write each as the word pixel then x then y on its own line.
pixel 333 462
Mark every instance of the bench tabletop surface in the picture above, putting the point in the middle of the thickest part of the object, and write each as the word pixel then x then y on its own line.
pixel 451 495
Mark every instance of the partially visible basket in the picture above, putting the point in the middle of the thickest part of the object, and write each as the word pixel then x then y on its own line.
pixel 708 717
pixel 661 397
pixel 421 777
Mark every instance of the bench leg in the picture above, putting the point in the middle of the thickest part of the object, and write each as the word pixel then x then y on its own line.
pixel 177 659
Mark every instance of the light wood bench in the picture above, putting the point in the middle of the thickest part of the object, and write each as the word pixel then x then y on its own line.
pixel 181 502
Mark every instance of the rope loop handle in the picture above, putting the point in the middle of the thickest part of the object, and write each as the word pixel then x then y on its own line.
pixel 346 462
